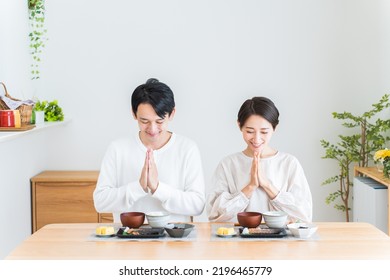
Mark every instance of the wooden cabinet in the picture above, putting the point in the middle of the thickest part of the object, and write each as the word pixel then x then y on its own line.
pixel 106 218
pixel 64 197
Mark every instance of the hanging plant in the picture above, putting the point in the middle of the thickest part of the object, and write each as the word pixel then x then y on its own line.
pixel 36 9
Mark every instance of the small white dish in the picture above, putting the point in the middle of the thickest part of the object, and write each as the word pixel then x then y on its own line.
pixel 227 235
pixel 302 230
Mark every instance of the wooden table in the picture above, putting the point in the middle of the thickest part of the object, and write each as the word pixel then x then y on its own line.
pixel 336 241
pixel 373 173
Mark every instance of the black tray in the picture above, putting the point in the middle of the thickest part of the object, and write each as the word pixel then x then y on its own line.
pixel 266 233
pixel 143 233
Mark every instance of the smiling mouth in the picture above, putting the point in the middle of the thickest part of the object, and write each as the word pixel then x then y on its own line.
pixel 153 135
pixel 256 145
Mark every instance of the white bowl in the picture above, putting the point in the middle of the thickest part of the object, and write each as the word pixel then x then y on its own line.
pixel 275 219
pixel 302 230
pixel 158 219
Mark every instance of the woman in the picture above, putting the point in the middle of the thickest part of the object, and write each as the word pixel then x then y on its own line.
pixel 260 178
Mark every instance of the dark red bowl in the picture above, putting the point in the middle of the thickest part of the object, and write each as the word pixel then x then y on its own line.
pixel 132 219
pixel 249 219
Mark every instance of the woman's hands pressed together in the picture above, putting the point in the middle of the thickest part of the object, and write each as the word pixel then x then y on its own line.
pixel 254 176
pixel 258 180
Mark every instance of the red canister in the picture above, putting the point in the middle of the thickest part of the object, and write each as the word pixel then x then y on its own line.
pixel 7 118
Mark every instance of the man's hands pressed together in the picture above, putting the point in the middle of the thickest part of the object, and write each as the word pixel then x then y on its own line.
pixel 149 174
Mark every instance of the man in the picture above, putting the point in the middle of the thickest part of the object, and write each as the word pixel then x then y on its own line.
pixel 157 170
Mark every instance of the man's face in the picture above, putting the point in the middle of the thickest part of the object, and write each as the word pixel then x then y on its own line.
pixel 153 128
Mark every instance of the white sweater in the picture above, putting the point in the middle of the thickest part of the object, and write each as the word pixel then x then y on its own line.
pixel 282 170
pixel 181 189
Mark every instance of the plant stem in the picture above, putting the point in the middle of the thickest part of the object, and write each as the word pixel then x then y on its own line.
pixel 363 160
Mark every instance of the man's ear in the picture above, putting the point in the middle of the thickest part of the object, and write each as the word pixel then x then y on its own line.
pixel 172 114
pixel 134 116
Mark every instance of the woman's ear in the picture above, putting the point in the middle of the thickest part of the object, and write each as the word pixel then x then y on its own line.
pixel 238 123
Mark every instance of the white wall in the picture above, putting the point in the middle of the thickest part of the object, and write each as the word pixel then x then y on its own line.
pixel 22 158
pixel 14 53
pixel 310 57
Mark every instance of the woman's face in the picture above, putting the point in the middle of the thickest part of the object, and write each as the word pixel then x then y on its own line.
pixel 257 133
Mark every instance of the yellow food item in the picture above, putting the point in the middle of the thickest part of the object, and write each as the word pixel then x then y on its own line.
pixel 104 230
pixel 220 231
pixel 225 231
pixel 17 118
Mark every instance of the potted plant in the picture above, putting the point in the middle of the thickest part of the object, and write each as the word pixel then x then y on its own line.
pixel 53 112
pixel 39 112
pixel 47 111
pixel 36 9
pixel 357 148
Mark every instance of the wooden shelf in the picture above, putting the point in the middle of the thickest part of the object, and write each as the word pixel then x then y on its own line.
pixel 7 135
pixel 22 128
pixel 373 173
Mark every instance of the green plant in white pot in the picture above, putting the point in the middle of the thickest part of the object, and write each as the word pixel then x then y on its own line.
pixel 39 112
pixel 50 111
